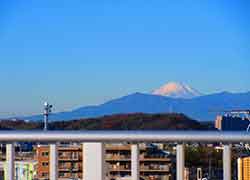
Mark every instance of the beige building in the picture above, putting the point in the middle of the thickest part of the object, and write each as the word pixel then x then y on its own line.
pixel 218 122
pixel 244 168
pixel 186 174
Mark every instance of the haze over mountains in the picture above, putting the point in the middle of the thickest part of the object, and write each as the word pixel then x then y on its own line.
pixel 172 97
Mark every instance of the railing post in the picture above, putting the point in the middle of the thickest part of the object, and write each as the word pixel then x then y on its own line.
pixel 93 161
pixel 53 162
pixel 227 162
pixel 10 157
pixel 135 162
pixel 180 161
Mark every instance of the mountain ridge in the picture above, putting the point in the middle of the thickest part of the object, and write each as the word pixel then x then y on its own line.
pixel 197 108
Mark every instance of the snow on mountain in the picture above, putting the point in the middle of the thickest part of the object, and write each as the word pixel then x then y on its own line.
pixel 177 90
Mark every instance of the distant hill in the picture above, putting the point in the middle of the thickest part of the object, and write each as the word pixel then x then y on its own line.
pixel 199 108
pixel 137 121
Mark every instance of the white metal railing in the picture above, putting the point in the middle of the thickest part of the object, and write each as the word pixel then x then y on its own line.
pixel 94 154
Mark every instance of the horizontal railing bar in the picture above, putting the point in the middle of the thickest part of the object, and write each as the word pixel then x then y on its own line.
pixel 124 136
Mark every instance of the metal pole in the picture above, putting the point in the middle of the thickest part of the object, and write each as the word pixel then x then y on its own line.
pixel 227 162
pixel 135 162
pixel 10 157
pixel 180 161
pixel 93 161
pixel 45 122
pixel 53 162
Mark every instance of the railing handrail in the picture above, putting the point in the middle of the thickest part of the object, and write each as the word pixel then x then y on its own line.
pixel 125 136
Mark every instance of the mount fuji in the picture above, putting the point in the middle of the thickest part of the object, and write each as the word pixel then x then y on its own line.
pixel 177 90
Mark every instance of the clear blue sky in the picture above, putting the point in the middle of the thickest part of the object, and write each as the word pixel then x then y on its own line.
pixel 80 52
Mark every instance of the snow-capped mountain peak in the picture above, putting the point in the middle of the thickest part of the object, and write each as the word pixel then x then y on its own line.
pixel 177 90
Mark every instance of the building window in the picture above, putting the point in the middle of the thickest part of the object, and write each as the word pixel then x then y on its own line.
pixel 45 164
pixel 45 154
pixel 44 174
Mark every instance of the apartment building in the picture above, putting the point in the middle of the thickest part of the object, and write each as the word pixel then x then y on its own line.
pixel 155 164
pixel 69 162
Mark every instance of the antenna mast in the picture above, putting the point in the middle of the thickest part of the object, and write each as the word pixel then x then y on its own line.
pixel 47 111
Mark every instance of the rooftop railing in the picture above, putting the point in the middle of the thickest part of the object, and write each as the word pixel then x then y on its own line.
pixel 94 152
